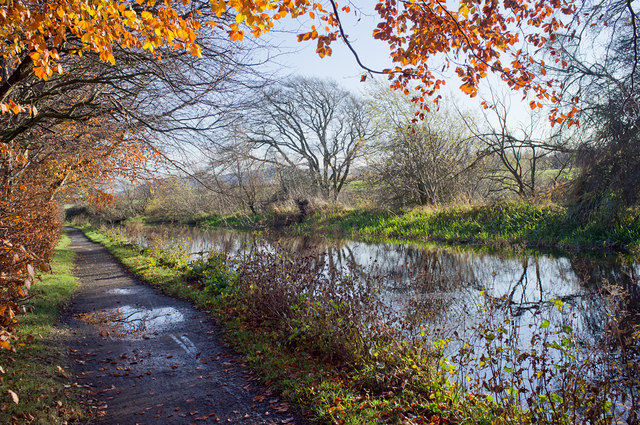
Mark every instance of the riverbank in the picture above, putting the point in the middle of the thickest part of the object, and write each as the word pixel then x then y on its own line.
pixel 499 225
pixel 322 350
pixel 35 386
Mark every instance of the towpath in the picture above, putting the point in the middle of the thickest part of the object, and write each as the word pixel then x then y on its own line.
pixel 145 358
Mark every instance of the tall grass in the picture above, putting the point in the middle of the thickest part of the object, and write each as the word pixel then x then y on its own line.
pixel 499 224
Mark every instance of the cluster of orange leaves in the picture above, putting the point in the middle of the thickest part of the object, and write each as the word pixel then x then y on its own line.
pixel 41 27
pixel 27 214
pixel 473 35
pixel 477 37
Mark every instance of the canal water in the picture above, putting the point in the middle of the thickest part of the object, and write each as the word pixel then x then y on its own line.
pixel 451 289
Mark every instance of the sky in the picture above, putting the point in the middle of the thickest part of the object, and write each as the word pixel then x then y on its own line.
pixel 301 58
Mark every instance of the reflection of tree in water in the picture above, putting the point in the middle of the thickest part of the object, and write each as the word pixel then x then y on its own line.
pixel 436 286
pixel 615 286
pixel 526 290
pixel 431 286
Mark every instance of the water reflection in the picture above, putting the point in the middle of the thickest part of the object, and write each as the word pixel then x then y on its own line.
pixel 447 289
pixel 129 322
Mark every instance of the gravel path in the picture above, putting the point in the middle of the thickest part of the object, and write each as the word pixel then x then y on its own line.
pixel 146 358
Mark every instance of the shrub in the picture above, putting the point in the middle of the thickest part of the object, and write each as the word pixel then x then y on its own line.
pixel 213 273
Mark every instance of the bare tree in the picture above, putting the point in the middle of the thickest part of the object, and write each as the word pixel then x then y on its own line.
pixel 514 158
pixel 418 163
pixel 601 59
pixel 314 124
pixel 240 176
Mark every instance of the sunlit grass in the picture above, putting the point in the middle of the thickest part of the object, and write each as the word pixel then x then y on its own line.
pixel 501 225
pixel 37 370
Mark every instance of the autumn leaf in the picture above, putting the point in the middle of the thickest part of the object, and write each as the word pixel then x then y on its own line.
pixel 14 396
pixel 464 10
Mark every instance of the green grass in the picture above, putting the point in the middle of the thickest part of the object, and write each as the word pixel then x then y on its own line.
pixel 516 223
pixel 502 225
pixel 240 222
pixel 36 371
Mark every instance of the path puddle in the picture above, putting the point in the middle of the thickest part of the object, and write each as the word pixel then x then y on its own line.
pixel 133 322
pixel 122 291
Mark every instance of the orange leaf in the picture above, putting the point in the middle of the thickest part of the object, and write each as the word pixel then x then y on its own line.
pixel 465 11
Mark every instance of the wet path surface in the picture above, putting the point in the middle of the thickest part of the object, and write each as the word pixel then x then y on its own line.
pixel 146 358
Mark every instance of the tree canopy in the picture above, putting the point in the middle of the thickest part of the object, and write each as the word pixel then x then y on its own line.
pixel 475 36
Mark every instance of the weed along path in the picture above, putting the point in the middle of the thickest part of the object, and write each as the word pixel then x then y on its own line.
pixel 146 358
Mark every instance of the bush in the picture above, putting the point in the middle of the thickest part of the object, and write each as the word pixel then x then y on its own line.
pixel 213 273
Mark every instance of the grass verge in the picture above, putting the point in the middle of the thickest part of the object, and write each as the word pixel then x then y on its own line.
pixel 36 371
pixel 500 225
